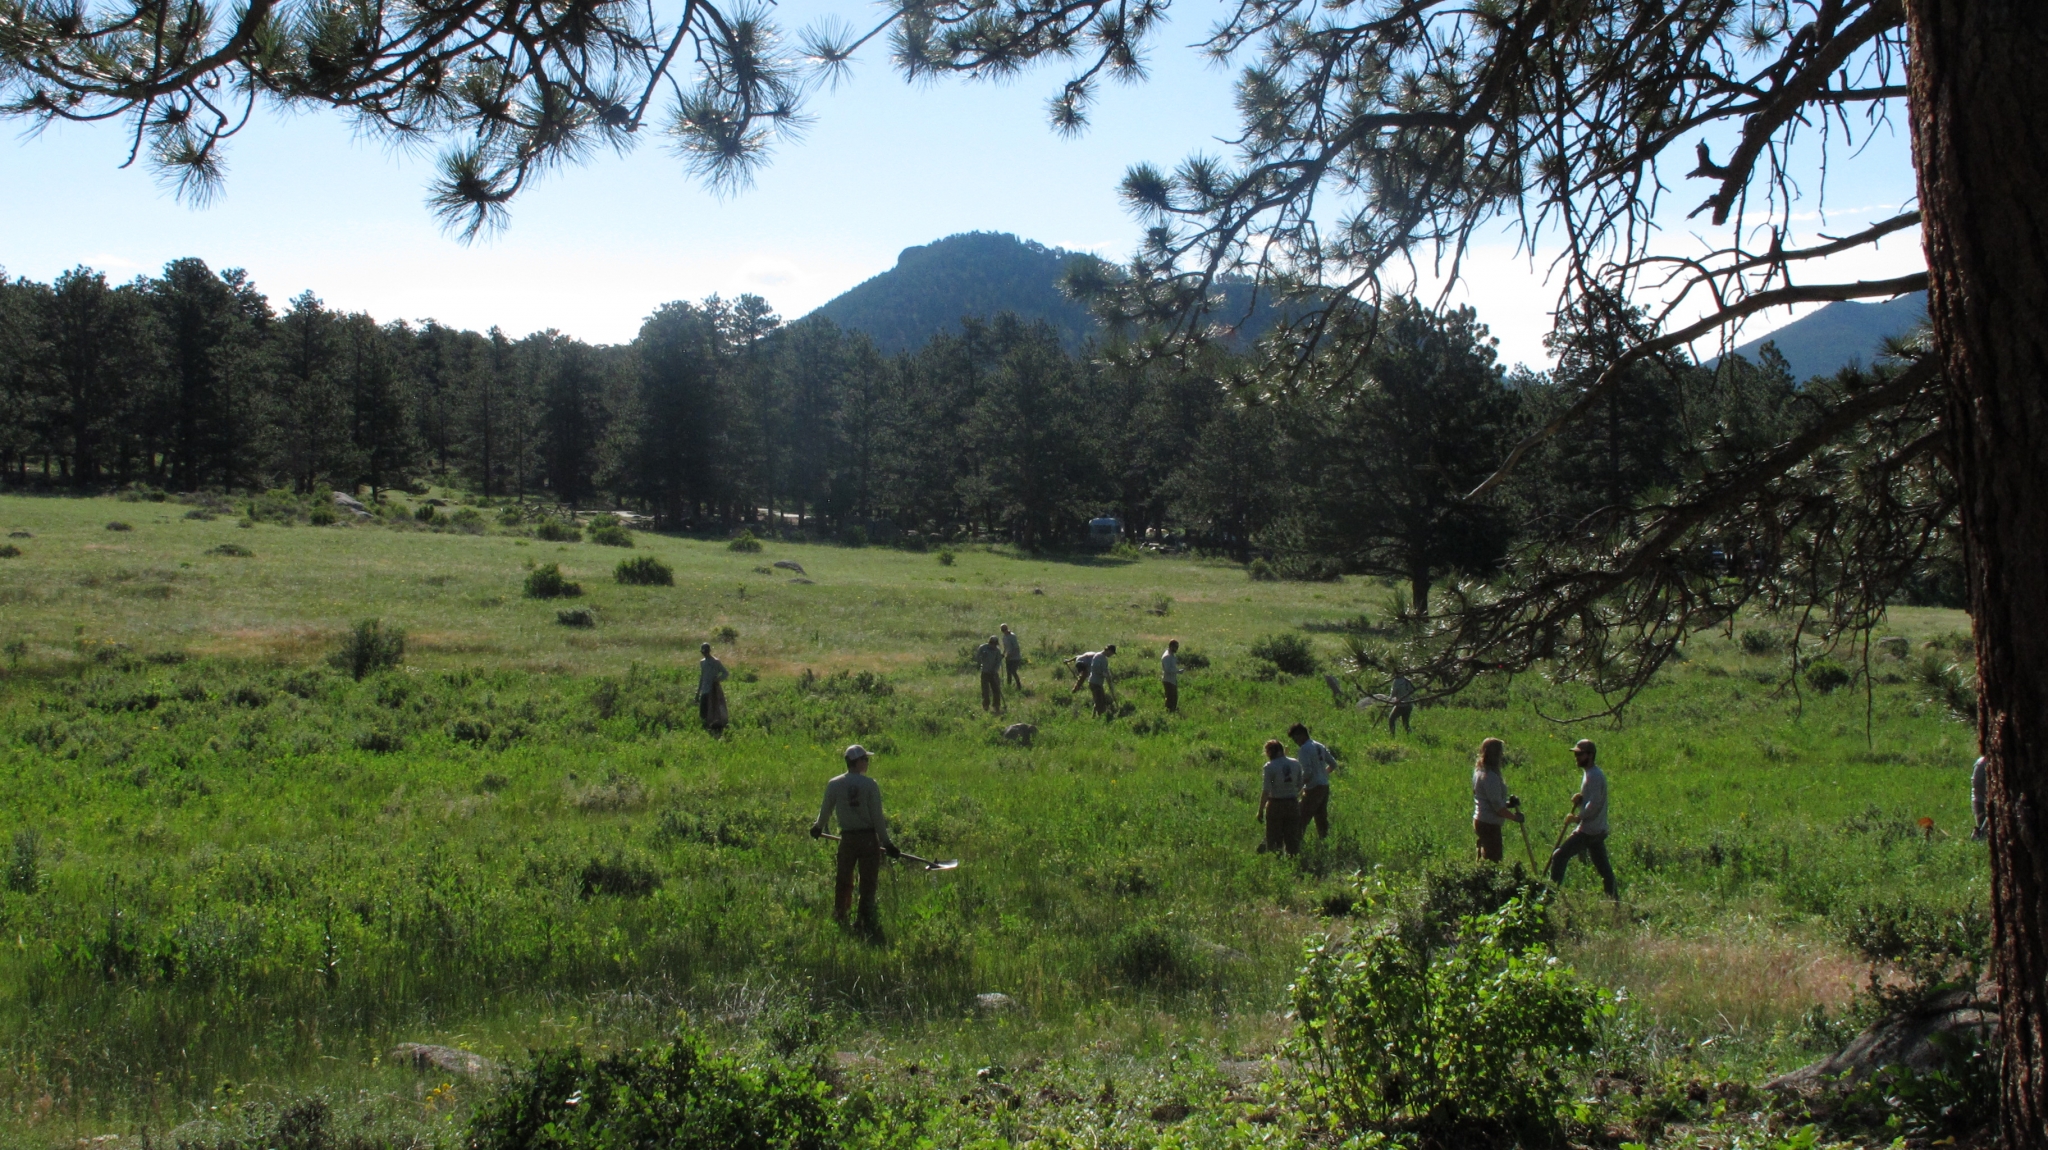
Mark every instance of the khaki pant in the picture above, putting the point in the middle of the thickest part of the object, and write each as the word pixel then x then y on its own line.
pixel 1283 826
pixel 1489 840
pixel 1100 694
pixel 1315 808
pixel 858 851
pixel 992 691
pixel 1173 696
pixel 1010 671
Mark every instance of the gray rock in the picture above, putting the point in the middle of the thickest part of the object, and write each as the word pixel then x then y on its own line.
pixel 425 1057
pixel 1021 733
pixel 350 503
pixel 1907 1040
pixel 993 1001
pixel 790 565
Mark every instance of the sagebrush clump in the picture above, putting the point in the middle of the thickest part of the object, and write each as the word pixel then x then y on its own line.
pixel 547 582
pixel 369 647
pixel 744 542
pixel 644 571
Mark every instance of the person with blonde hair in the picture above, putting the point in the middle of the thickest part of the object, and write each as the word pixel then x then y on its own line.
pixel 1491 806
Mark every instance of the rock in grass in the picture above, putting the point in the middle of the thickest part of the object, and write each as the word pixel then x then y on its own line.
pixel 1021 733
pixel 424 1057
pixel 352 505
pixel 1171 1110
pixel 993 1002
pixel 791 565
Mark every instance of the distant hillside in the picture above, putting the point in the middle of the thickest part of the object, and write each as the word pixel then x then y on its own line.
pixel 1839 334
pixel 975 273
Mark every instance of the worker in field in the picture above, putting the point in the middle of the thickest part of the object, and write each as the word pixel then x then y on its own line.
pixel 990 656
pixel 1492 808
pixel 855 801
pixel 1013 658
pixel 1316 764
pixel 1402 692
pixel 1980 801
pixel 1589 813
pixel 1280 800
pixel 711 707
pixel 1092 668
pixel 1169 674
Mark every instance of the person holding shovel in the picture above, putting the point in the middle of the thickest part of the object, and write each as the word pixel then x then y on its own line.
pixel 855 800
pixel 1589 812
pixel 1316 763
pixel 1491 806
pixel 1280 800
pixel 990 656
pixel 1092 668
pixel 1013 658
pixel 711 707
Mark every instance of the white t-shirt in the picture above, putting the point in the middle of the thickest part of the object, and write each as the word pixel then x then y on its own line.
pixel 1169 667
pixel 1316 761
pixel 1282 778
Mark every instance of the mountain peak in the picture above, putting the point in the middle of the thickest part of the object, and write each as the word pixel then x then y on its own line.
pixel 970 273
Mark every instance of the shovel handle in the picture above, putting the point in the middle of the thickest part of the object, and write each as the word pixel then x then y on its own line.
pixel 900 853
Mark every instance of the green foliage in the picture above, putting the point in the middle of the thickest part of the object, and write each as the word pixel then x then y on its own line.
pixel 24 870
pixel 644 571
pixel 1827 676
pixel 1953 685
pixel 745 543
pixel 230 550
pixel 547 582
pixel 854 536
pixel 1151 954
pixel 369 647
pixel 321 517
pixel 425 513
pixel 466 519
pixel 619 875
pixel 1288 652
pixel 675 1096
pixel 1762 641
pixel 609 535
pixel 1917 951
pixel 576 617
pixel 118 525
pixel 1261 571
pixel 945 557
pixel 9 551
pixel 1475 1040
pixel 556 531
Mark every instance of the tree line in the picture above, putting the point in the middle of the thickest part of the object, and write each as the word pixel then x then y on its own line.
pixel 719 412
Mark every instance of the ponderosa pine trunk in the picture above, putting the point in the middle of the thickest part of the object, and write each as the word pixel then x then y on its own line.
pixel 1979 101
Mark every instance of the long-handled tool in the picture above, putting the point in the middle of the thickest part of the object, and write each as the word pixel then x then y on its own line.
pixel 929 864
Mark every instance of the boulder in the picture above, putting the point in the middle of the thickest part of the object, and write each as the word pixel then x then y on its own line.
pixel 791 565
pixel 993 1002
pixel 424 1057
pixel 350 503
pixel 1918 1040
pixel 1020 733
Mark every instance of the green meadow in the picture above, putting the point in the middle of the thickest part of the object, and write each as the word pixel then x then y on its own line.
pixel 239 876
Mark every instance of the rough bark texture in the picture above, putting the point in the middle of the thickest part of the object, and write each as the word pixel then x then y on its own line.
pixel 1980 135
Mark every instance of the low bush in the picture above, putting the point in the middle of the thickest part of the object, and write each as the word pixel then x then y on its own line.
pixel 1472 1043
pixel 1151 955
pixel 470 730
pixel 620 876
pixel 675 1096
pixel 425 513
pixel 24 872
pixel 1261 571
pixel 644 571
pixel 231 550
pixel 1760 642
pixel 321 517
pixel 611 535
pixel 467 519
pixel 117 525
pixel 1827 676
pixel 9 551
pixel 1288 652
pixel 369 647
pixel 556 531
pixel 547 582
pixel 576 617
pixel 945 557
pixel 744 542
pixel 855 536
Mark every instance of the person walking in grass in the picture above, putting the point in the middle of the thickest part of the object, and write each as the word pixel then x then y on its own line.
pixel 1491 807
pixel 1402 692
pixel 1013 657
pixel 855 801
pixel 1169 674
pixel 1280 800
pixel 1316 764
pixel 1092 668
pixel 1589 811
pixel 711 707
pixel 990 656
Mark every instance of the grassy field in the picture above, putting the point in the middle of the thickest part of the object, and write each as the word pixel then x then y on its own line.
pixel 238 874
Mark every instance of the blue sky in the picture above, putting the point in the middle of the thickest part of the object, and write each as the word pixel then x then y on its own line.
pixel 592 250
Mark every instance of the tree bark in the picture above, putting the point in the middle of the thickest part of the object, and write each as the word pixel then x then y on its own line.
pixel 1979 100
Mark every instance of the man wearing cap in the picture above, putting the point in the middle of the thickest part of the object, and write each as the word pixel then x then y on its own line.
pixel 856 801
pixel 1316 762
pixel 1093 669
pixel 1280 800
pixel 1589 811
pixel 990 657
pixel 1013 657
pixel 710 693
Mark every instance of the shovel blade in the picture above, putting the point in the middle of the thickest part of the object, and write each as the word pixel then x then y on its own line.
pixel 949 864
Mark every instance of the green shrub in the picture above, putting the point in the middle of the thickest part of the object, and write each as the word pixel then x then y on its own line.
pixel 611 535
pixel 1288 652
pixel 546 582
pixel 473 731
pixel 9 551
pixel 945 557
pixel 369 647
pixel 618 875
pixel 744 542
pixel 117 525
pixel 556 531
pixel 644 571
pixel 1261 571
pixel 1470 1043
pixel 1760 642
pixel 231 550
pixel 1148 954
pixel 424 513
pixel 855 536
pixel 576 617
pixel 467 519
pixel 24 873
pixel 676 1096
pixel 1827 676
pixel 321 517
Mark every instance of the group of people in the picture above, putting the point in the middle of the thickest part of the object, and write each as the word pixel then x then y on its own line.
pixel 1002 656
pixel 1493 808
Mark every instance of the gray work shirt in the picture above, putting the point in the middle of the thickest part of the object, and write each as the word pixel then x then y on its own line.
pixel 1282 778
pixel 1098 667
pixel 1593 813
pixel 991 658
pixel 1316 761
pixel 709 672
pixel 1012 649
pixel 1169 667
pixel 1489 797
pixel 856 801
